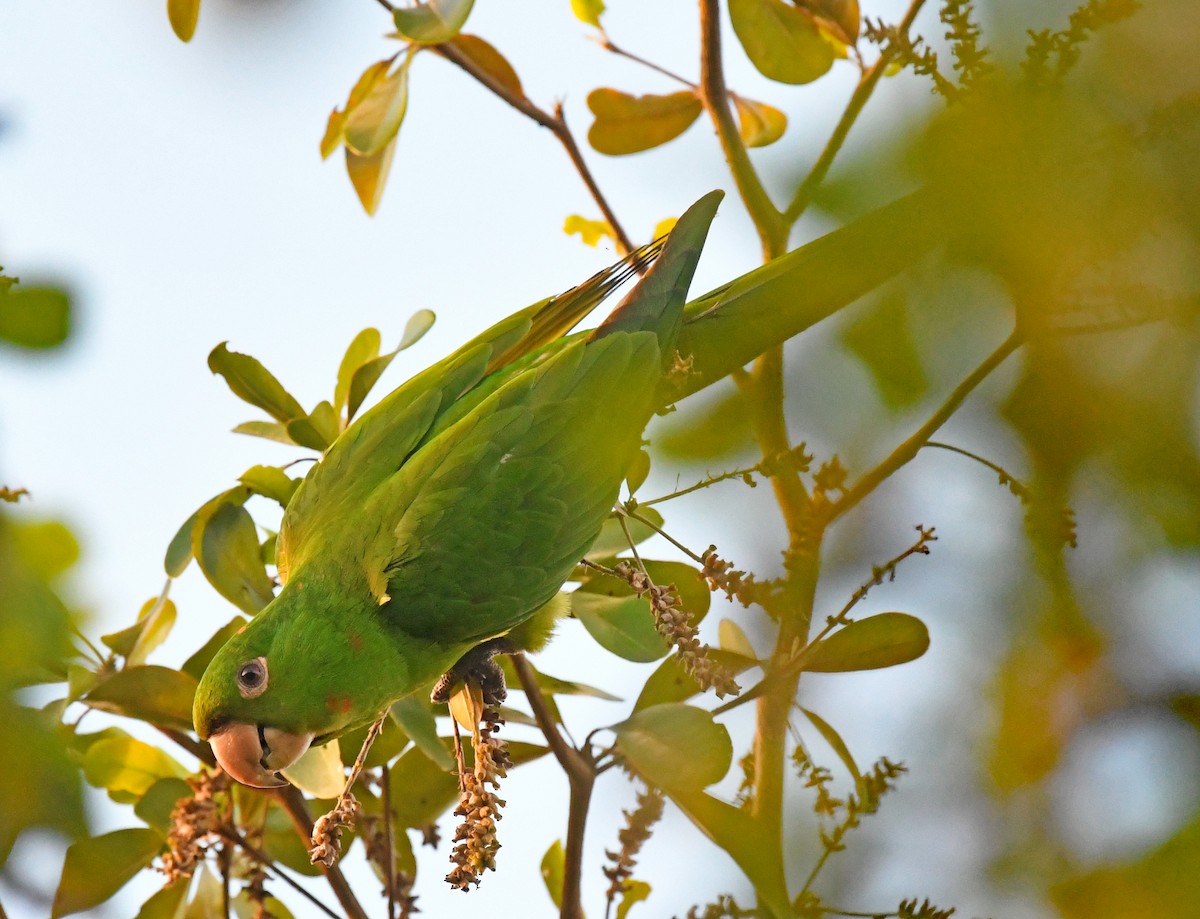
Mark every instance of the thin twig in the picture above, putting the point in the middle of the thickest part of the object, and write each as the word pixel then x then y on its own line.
pixel 265 860
pixel 607 44
pixel 292 801
pixel 711 480
pixel 385 783
pixel 907 450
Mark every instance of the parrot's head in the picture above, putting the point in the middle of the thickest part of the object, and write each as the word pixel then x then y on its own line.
pixel 294 676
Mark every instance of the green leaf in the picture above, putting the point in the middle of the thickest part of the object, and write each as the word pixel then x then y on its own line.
pixel 417 721
pixel 629 124
pixel 878 641
pixel 429 789
pixel 47 547
pixel 282 843
pixel 208 897
pixel 621 624
pixel 631 892
pixel 96 868
pixel 759 124
pixel 490 61
pixel 732 638
pixel 612 542
pixel 368 373
pixel 638 471
pixel 126 767
pixel 552 685
pixel 882 340
pixel 672 683
pixel 166 902
pixel 36 318
pixel 364 348
pixel 159 801
pixel 183 15
pixel 319 771
pixel 434 21
pixel 675 746
pixel 587 11
pixel 245 908
pixel 372 124
pixel 271 482
pixel 155 620
pixel 268 430
pixel 834 739
pixel 552 871
pixel 782 41
pixel 842 16
pixel 227 551
pixel 253 383
pixel 159 695
pixel 368 175
pixel 195 665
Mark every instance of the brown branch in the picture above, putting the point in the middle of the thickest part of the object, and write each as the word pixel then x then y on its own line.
pixel 907 450
pixel 581 776
pixel 607 44
pixel 556 123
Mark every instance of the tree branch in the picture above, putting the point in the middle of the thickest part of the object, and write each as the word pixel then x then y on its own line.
pixel 292 801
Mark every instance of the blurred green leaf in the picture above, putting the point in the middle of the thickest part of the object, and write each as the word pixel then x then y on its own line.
pixel 588 11
pixel 253 383
pixel 195 665
pixel 622 624
pixel 612 542
pixel 675 746
pixel 319 771
pixel 781 40
pixel 126 767
pixel 268 430
pixel 96 868
pixel 629 124
pixel 759 124
pixel 364 348
pixel 48 547
pixel 208 897
pixel 433 21
pixel 712 427
pixel 490 61
pixel 638 471
pixel 429 789
pixel 281 842
pixel 183 15
pixel 878 641
pixel 834 739
pixel 271 482
pixel 880 337
pixel 733 639
pixel 843 15
pixel 159 801
pixel 150 693
pixel 417 721
pixel 226 548
pixel 35 317
pixel 155 621
pixel 670 682
pixel 245 908
pixel 552 872
pixel 552 685
pixel 166 902
pixel 374 122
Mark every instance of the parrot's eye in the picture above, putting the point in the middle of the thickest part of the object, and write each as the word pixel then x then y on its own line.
pixel 252 678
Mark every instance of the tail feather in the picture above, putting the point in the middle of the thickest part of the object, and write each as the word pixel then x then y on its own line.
pixel 656 303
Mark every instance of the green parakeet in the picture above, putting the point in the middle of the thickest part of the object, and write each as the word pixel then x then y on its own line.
pixel 447 516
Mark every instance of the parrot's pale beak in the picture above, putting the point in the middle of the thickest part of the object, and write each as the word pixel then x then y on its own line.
pixel 254 754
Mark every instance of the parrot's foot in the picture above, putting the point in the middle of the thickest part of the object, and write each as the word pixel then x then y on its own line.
pixel 477 666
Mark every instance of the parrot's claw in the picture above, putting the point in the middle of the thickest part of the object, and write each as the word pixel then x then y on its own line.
pixel 477 666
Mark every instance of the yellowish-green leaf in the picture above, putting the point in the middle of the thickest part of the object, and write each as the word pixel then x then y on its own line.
pixel 672 683
pixel 373 123
pixel 126 767
pixel 434 21
pixel 319 771
pixel 781 40
pixel 252 382
pixel 664 226
pixel 208 897
pixel 552 685
pixel 590 231
pixel 268 430
pixel 842 17
pixel 732 638
pixel 271 482
pixel 35 318
pixel 227 550
pixel 632 891
pixel 48 547
pixel 552 871
pixel 195 665
pixel 159 801
pixel 620 623
pixel 245 908
pixel 166 902
pixel 490 61
pixel 834 739
pixel 97 867
pixel 364 348
pixel 878 641
pixel 418 324
pixel 415 719
pixel 466 706
pixel 335 128
pixel 367 374
pixel 758 123
pixel 368 175
pixel 183 15
pixel 587 11
pixel 629 124
pixel 675 746
pixel 159 695
pixel 157 619
pixel 612 541
pixel 638 470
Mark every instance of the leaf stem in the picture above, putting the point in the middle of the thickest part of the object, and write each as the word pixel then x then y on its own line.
pixel 266 861
pixel 607 44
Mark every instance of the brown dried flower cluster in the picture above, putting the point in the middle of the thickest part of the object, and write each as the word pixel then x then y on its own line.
pixel 674 624
pixel 475 839
pixel 737 584
pixel 195 822
pixel 326 842
pixel 638 825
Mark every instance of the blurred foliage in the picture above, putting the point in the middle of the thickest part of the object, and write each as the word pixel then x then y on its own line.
pixel 1055 201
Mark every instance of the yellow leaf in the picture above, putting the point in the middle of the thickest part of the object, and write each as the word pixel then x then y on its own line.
pixel 466 705
pixel 335 127
pixel 664 226
pixel 781 40
pixel 319 771
pixel 369 174
pixel 590 231
pixel 183 15
pixel 490 61
pixel 588 11
pixel 374 122
pixel 629 124
pixel 758 123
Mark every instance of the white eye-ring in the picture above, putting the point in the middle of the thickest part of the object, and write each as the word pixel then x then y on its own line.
pixel 252 678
